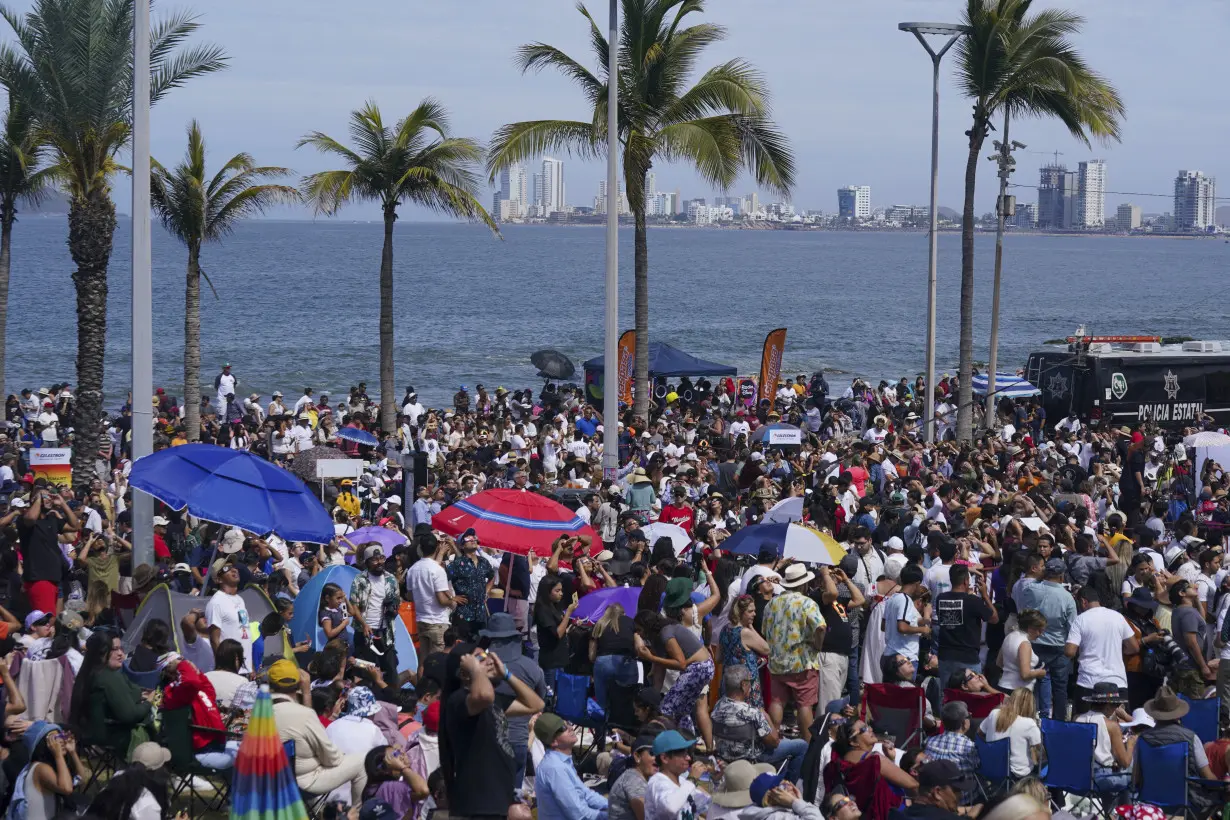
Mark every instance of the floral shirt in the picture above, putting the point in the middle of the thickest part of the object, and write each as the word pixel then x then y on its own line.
pixel 361 590
pixel 790 621
pixel 470 578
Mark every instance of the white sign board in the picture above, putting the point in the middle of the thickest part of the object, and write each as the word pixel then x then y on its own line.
pixel 785 437
pixel 339 468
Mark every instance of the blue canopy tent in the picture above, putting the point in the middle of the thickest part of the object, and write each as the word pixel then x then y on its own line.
pixel 664 360
pixel 1007 386
pixel 305 625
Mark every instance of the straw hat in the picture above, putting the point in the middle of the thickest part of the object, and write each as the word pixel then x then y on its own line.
pixel 639 476
pixel 796 575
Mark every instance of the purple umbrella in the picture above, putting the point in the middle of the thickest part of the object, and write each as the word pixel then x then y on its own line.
pixel 385 537
pixel 595 603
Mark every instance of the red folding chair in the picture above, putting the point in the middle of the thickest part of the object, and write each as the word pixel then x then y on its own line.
pixel 980 704
pixel 897 710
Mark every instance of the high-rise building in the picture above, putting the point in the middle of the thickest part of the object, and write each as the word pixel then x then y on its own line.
pixel 536 196
pixel 651 186
pixel 1195 201
pixel 621 204
pixel 754 204
pixel 553 199
pixel 678 202
pixel 1026 215
pixel 1057 197
pixel 1127 218
pixel 1091 195
pixel 854 203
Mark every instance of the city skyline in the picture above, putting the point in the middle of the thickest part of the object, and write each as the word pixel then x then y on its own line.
pixel 872 127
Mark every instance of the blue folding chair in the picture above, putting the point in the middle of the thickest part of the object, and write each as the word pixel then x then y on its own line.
pixel 1203 716
pixel 1069 757
pixel 994 772
pixel 572 704
pixel 1164 780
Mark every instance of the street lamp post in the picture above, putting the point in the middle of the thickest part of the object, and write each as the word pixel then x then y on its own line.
pixel 1005 207
pixel 610 381
pixel 953 33
pixel 142 296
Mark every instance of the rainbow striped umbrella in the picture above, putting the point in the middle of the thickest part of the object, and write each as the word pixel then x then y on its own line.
pixel 263 786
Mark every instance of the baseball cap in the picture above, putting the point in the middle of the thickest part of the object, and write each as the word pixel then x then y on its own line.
pixel 283 672
pixel 1055 566
pixel 666 742
pixel 548 727
pixel 181 567
pixel 37 616
pixel 894 544
pixel 376 809
pixel 938 773
pixel 642 742
pixel 161 521
pixel 648 696
pixel 151 755
pixel 375 550
pixel 762 785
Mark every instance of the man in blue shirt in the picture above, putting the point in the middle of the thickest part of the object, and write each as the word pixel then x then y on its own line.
pixel 561 794
pixel 1050 598
pixel 587 424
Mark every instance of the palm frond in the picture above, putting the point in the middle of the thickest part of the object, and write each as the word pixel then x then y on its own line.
pixel 538 56
pixel 711 145
pixel 251 201
pixel 328 191
pixel 522 141
pixel 733 87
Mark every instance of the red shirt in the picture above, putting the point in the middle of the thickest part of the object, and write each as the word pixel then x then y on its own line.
pixel 160 547
pixel 859 477
pixel 192 689
pixel 679 516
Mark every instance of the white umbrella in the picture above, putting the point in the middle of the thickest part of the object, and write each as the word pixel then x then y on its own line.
pixel 659 529
pixel 785 511
pixel 1207 438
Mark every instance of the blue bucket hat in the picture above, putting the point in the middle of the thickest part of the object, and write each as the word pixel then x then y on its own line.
pixel 362 702
pixel 38 730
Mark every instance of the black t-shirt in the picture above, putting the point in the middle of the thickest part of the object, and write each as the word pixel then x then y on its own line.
pixel 435 667
pixel 920 812
pixel 611 642
pixel 838 636
pixel 1133 464
pixel 484 770
pixel 553 650
pixel 42 559
pixel 960 616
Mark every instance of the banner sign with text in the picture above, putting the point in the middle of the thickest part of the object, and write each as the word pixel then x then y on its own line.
pixel 627 362
pixel 54 464
pixel 771 363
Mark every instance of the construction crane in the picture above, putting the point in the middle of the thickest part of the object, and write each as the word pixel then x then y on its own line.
pixel 1055 154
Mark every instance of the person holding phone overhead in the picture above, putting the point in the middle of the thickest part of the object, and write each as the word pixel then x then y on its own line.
pixel 43 565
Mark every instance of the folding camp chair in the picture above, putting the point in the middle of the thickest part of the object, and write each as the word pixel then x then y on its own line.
pixel 1069 757
pixel 103 762
pixel 980 704
pixel 146 680
pixel 313 803
pixel 177 729
pixel 1163 778
pixel 897 710
pixel 994 772
pixel 1203 716
pixel 572 704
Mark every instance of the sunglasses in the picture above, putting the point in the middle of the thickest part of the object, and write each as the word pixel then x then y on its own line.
pixel 840 804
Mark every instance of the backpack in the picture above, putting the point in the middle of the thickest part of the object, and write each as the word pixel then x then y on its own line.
pixel 19 807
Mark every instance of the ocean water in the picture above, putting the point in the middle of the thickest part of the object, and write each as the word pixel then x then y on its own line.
pixel 297 302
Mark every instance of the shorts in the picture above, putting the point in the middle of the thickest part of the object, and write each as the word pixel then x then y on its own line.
pixel 431 638
pixel 801 687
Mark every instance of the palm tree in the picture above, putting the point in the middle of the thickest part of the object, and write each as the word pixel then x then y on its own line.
pixel 71 67
pixel 720 125
pixel 21 153
pixel 414 161
pixel 196 208
pixel 1024 65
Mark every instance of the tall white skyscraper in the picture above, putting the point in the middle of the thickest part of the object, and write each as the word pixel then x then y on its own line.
pixel 1091 194
pixel 1195 201
pixel 553 198
pixel 537 195
pixel 854 202
pixel 651 187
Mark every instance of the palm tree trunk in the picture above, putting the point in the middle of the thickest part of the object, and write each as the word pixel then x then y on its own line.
pixel 965 395
pixel 641 371
pixel 388 407
pixel 192 345
pixel 8 214
pixel 91 231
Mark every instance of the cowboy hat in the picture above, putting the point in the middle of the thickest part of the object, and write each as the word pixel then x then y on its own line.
pixel 796 575
pixel 1105 692
pixel 1166 705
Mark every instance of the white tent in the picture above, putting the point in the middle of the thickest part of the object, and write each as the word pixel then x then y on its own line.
pixel 1204 446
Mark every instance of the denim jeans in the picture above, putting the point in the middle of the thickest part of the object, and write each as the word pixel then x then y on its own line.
pixel 853 683
pixel 947 668
pixel 610 669
pixel 790 751
pixel 1052 691
pixel 1112 782
pixel 520 755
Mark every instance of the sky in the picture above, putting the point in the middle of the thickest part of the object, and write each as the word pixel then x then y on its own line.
pixel 851 91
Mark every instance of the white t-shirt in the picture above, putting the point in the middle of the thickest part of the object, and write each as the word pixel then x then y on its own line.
pixel 937 580
pixel 225 683
pixel 1011 677
pixel 230 614
pixel 1022 735
pixel 1100 633
pixel 666 801
pixel 425 579
pixel 900 608
pixel 1220 619
pixel 373 615
pixel 353 735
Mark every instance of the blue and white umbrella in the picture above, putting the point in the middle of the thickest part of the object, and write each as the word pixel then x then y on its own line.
pixel 358 436
pixel 778 434
pixel 1007 386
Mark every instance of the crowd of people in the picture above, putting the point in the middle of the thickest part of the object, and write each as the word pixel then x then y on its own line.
pixel 1047 569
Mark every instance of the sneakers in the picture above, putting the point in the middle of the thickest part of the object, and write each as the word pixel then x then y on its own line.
pixel 199 785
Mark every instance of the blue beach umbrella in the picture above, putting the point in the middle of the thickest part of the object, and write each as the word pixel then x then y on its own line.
pixel 233 487
pixel 358 436
pixel 780 433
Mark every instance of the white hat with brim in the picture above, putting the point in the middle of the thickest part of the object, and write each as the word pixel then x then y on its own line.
pixel 639 476
pixel 735 792
pixel 796 575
